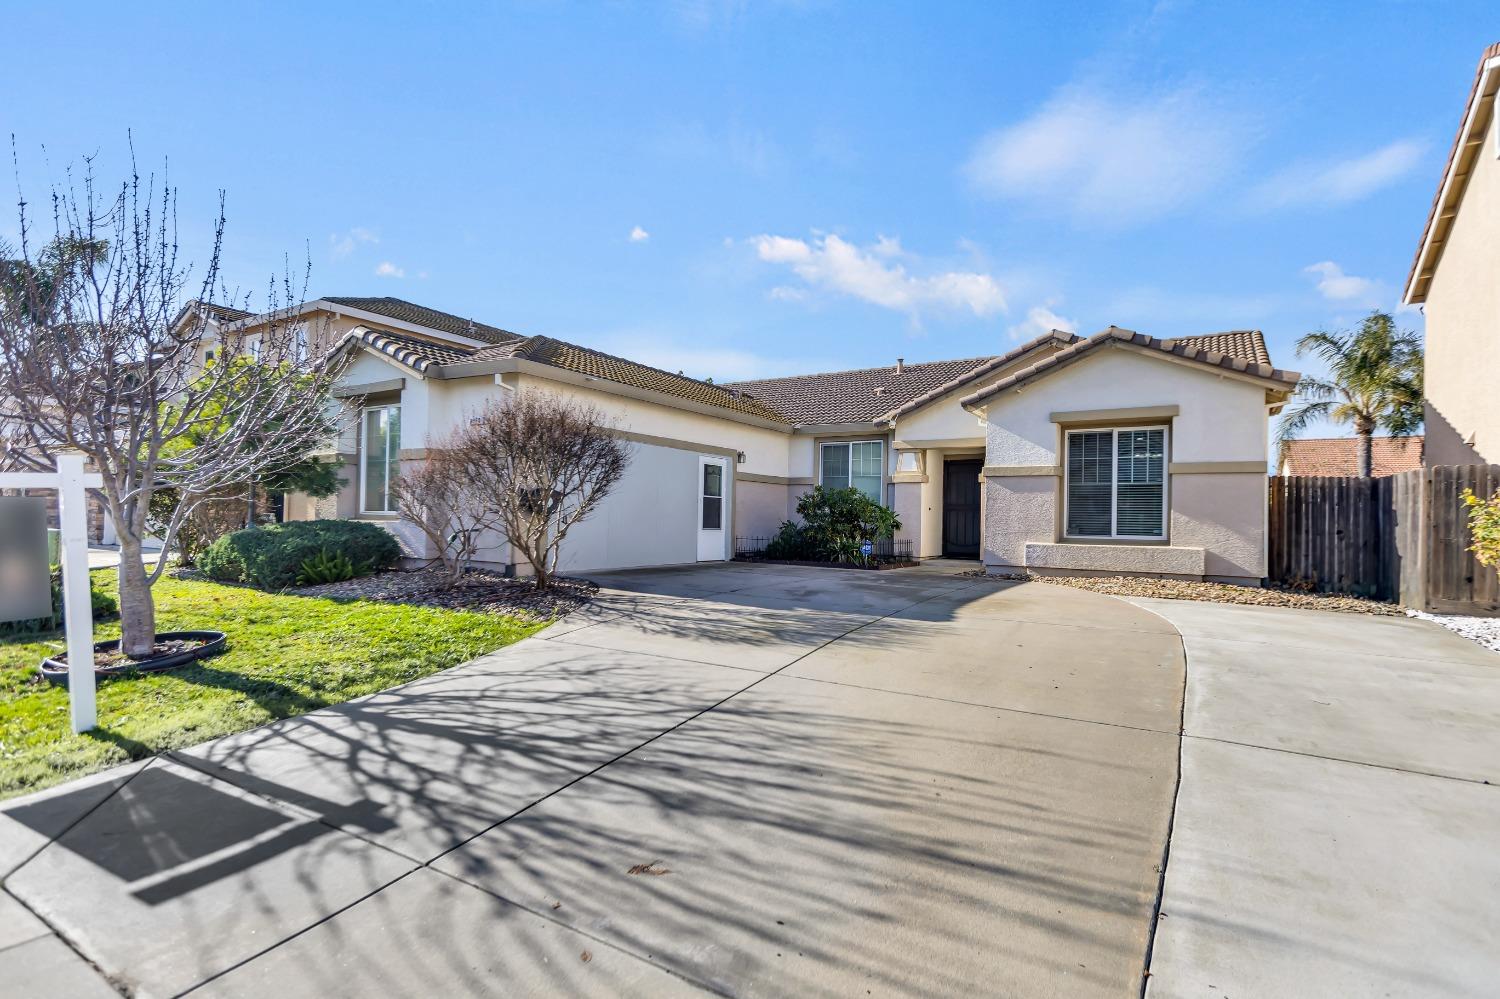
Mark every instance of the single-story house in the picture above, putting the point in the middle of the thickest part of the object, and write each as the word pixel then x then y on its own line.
pixel 1118 452
pixel 1340 456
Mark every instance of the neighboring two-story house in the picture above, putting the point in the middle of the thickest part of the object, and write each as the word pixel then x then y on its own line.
pixel 1456 280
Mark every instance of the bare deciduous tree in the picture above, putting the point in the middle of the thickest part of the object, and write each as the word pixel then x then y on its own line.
pixel 98 354
pixel 442 496
pixel 546 462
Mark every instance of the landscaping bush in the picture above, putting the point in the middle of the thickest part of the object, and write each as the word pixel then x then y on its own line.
pixel 1484 527
pixel 790 544
pixel 272 557
pixel 837 521
pixel 102 604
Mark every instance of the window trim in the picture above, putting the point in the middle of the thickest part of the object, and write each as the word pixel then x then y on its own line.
pixel 848 445
pixel 364 454
pixel 1114 482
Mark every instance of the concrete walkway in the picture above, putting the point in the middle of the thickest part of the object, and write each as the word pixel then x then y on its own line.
pixel 1337 823
pixel 731 779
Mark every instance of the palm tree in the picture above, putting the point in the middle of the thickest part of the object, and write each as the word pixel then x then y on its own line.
pixel 1374 383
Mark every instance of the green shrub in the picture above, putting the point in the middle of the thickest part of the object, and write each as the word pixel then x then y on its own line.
pixel 837 521
pixel 790 544
pixel 271 557
pixel 102 604
pixel 326 567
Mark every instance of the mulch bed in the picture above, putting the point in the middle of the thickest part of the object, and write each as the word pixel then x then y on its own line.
pixel 1223 593
pixel 478 590
pixel 114 657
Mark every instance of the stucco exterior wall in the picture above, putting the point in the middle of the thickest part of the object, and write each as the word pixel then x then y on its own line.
pixel 1462 378
pixel 759 508
pixel 1225 515
pixel 1017 509
pixel 1219 421
pixel 649 518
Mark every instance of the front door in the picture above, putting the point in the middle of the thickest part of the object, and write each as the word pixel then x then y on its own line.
pixel 712 474
pixel 961 508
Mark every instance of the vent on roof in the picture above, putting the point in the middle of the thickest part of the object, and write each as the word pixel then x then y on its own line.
pixel 880 390
pixel 900 365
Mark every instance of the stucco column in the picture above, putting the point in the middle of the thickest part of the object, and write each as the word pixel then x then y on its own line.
pixel 930 545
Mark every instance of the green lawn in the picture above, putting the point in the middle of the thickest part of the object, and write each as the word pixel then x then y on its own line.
pixel 286 656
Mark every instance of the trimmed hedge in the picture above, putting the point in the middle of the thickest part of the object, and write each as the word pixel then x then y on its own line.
pixel 271 557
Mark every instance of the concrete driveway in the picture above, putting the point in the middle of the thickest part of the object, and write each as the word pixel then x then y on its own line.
pixel 731 779
pixel 1336 828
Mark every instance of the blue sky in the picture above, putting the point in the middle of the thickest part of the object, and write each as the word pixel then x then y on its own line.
pixel 739 189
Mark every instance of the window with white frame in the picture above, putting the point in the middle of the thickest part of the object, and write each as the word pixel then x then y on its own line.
pixel 1115 483
pixel 860 464
pixel 381 452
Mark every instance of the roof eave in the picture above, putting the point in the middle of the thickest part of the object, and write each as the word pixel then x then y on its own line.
pixel 1452 185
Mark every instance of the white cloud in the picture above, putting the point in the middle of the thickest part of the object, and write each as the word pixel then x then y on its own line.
pixel 389 270
pixel 340 245
pixel 830 263
pixel 639 235
pixel 1339 182
pixel 1336 286
pixel 1041 319
pixel 1110 159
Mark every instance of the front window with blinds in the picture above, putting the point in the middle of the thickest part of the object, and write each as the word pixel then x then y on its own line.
pixel 1116 483
pixel 382 458
pixel 859 464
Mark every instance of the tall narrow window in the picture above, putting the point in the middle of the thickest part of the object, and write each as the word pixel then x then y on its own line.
pixel 1116 483
pixel 860 464
pixel 713 496
pixel 382 457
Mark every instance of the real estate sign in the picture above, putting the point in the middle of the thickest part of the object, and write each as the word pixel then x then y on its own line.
pixel 25 587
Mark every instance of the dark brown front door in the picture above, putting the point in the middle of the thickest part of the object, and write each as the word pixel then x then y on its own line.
pixel 961 508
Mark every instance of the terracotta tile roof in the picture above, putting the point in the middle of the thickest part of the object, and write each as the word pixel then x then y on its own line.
pixel 1249 345
pixel 1436 226
pixel 860 396
pixel 414 352
pixel 427 357
pixel 215 311
pixel 420 315
pixel 1340 456
pixel 1052 338
pixel 1181 347
pixel 597 364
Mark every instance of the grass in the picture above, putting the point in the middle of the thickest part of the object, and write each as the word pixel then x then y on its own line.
pixel 286 656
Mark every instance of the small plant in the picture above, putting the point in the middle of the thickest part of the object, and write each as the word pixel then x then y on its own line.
pixel 1484 527
pixel 326 567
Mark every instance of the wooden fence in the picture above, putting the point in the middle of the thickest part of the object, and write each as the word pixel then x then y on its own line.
pixel 1401 537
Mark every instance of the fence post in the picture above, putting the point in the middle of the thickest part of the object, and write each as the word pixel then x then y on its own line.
pixel 78 609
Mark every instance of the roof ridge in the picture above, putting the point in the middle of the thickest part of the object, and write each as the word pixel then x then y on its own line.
pixel 722 386
pixel 907 366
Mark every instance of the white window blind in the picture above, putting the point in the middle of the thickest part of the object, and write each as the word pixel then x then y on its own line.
pixel 1116 483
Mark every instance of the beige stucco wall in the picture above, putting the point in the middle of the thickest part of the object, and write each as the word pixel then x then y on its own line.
pixel 1220 420
pixel 1463 324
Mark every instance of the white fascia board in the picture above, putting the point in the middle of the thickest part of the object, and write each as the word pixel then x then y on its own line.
pixel 1491 67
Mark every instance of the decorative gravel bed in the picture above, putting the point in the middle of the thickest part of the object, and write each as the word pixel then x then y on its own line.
pixel 1223 593
pixel 1484 630
pixel 478 590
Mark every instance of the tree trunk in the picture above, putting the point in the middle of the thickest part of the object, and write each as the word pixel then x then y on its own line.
pixel 137 608
pixel 1366 447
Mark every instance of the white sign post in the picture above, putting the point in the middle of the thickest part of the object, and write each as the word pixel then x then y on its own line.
pixel 70 481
